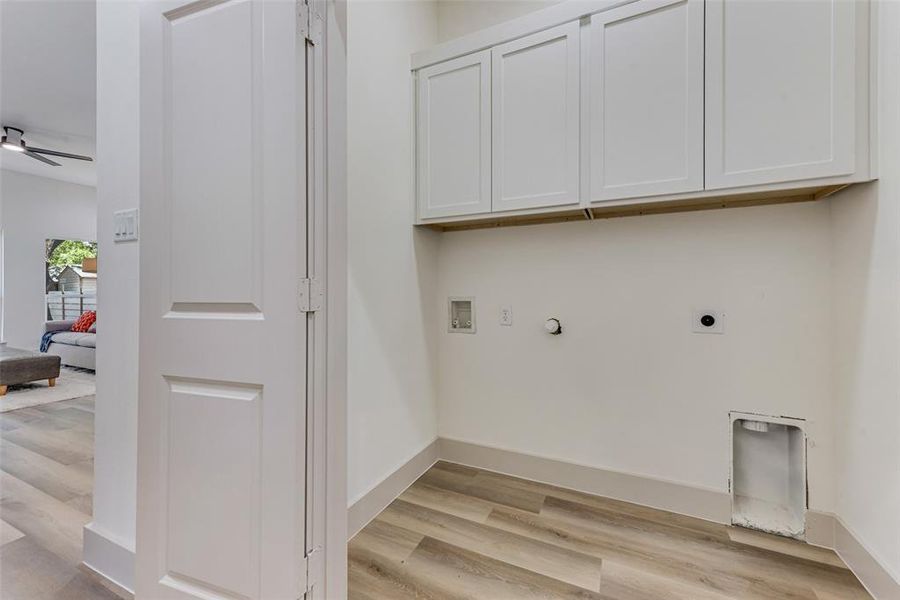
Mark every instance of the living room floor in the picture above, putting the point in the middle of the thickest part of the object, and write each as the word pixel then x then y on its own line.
pixel 460 532
pixel 72 383
pixel 46 478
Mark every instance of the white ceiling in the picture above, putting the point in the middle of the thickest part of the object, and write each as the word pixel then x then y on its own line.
pixel 48 82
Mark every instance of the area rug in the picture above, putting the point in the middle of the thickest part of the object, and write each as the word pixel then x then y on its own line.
pixel 72 383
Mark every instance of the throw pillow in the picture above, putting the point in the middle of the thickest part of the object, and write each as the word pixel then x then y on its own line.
pixel 85 321
pixel 93 327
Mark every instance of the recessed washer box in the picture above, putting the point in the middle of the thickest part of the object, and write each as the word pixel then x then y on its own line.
pixel 461 314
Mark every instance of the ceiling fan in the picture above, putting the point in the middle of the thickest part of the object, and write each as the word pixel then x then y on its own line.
pixel 13 139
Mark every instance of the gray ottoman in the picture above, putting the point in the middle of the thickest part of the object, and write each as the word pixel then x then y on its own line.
pixel 22 366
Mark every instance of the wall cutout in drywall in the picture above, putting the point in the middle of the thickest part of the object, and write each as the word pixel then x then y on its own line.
pixel 553 326
pixel 768 474
pixel 707 321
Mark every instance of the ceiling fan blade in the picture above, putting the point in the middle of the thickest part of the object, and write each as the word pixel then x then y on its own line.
pixel 62 154
pixel 40 158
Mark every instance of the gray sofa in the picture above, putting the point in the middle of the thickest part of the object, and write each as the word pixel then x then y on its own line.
pixel 73 348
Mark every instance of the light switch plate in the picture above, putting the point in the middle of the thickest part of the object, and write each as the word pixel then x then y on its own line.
pixel 125 225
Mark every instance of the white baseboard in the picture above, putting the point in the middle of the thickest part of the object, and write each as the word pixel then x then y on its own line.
pixel 671 496
pixel 109 558
pixel 822 528
pixel 375 500
pixel 873 575
pixel 707 504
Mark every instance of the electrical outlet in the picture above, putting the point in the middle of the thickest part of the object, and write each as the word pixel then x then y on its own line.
pixel 506 316
pixel 708 321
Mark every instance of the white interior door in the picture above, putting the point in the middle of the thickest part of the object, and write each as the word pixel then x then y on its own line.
pixel 536 120
pixel 777 109
pixel 223 348
pixel 645 99
pixel 454 137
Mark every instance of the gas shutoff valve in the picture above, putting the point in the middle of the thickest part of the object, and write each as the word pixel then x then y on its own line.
pixel 553 326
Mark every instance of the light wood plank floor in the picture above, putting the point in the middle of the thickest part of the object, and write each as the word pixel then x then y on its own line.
pixel 46 484
pixel 460 533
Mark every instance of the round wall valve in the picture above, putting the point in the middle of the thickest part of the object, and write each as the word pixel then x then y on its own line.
pixel 553 326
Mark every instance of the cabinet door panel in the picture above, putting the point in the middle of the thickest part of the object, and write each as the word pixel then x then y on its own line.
pixel 536 115
pixel 646 99
pixel 454 137
pixel 780 88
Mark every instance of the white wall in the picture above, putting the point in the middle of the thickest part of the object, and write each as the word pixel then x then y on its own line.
pixel 115 437
pixel 392 343
pixel 628 386
pixel 866 235
pixel 35 209
pixel 459 17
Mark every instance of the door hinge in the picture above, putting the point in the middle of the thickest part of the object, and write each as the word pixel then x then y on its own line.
pixel 313 571
pixel 311 295
pixel 310 22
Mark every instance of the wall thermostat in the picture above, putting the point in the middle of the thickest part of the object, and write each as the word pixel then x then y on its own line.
pixel 708 321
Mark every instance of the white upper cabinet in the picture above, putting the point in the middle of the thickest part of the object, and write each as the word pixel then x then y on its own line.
pixel 454 137
pixel 676 103
pixel 644 101
pixel 780 90
pixel 536 120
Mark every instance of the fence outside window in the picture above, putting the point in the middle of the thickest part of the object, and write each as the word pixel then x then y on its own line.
pixel 68 305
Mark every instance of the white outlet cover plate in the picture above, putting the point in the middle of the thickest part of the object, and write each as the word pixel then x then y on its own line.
pixel 506 316
pixel 718 327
